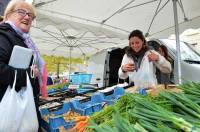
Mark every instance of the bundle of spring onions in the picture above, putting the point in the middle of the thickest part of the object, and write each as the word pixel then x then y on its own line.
pixel 168 111
pixel 153 113
pixel 192 90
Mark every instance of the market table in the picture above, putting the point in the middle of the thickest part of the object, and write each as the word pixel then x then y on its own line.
pixel 154 91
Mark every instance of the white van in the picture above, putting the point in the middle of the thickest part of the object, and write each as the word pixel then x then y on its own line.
pixel 105 64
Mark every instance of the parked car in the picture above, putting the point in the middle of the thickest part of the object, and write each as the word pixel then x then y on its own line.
pixel 105 64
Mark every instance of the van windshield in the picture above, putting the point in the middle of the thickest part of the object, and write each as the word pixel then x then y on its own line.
pixel 187 53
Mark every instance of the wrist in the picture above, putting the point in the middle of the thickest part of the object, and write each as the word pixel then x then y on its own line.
pixel 122 69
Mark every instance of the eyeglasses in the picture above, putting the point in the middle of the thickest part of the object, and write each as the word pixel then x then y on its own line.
pixel 23 13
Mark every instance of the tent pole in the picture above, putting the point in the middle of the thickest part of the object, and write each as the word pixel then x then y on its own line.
pixel 70 55
pixel 177 40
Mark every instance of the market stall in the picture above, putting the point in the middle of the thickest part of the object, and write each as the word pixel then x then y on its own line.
pixel 171 107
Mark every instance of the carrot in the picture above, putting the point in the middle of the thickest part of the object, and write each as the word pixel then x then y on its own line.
pixel 80 118
pixel 81 124
pixel 82 129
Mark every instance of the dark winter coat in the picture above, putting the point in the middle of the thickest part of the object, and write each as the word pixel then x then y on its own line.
pixel 9 38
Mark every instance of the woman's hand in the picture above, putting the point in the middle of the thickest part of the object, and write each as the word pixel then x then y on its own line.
pixel 153 57
pixel 35 71
pixel 128 67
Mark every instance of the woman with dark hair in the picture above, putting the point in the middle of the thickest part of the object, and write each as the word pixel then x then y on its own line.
pixel 164 52
pixel 163 78
pixel 134 57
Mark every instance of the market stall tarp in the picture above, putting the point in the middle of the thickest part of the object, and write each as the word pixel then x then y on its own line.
pixel 92 25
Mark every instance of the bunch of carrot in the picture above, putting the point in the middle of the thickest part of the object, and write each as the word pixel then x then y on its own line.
pixel 81 123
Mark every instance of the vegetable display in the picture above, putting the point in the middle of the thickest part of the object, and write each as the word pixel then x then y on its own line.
pixel 168 111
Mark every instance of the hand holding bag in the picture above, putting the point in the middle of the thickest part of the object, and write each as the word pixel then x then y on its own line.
pixel 144 77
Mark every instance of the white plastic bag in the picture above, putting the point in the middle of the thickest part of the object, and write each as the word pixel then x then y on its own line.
pixel 145 77
pixel 17 110
pixel 12 108
pixel 29 122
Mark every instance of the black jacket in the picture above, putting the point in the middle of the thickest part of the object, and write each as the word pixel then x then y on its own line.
pixel 9 38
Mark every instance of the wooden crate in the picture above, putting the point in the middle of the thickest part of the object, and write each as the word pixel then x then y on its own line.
pixel 155 91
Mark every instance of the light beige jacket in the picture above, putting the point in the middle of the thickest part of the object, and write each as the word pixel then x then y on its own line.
pixel 163 64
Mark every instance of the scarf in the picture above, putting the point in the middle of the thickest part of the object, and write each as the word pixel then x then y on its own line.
pixel 37 59
pixel 136 56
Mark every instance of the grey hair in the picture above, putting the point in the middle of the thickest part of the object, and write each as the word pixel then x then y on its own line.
pixel 12 5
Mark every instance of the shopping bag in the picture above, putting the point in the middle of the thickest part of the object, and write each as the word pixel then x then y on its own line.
pixel 12 107
pixel 145 77
pixel 17 110
pixel 29 121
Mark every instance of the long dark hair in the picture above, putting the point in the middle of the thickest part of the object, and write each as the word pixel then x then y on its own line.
pixel 165 50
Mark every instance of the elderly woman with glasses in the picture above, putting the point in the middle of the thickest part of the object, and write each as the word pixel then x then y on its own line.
pixel 14 29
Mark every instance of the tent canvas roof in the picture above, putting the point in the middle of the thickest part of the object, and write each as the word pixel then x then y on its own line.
pixel 89 26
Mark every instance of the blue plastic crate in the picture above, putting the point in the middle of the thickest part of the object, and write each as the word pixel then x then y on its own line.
pixel 87 107
pixel 117 93
pixel 82 90
pixel 54 122
pixel 82 108
pixel 81 78
pixel 52 90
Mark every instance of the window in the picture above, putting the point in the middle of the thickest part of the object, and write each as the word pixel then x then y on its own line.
pixel 187 53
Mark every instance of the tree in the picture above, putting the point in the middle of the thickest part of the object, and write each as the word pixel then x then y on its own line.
pixel 59 64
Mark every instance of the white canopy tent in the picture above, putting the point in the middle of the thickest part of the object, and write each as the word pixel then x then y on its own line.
pixel 58 36
pixel 93 25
